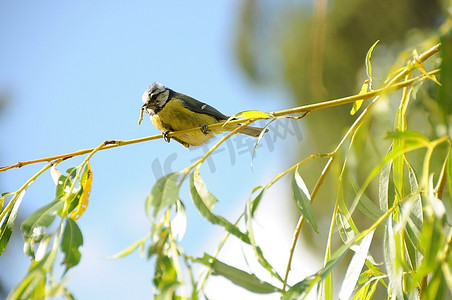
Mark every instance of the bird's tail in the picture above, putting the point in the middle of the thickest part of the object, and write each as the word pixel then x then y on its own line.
pixel 252 131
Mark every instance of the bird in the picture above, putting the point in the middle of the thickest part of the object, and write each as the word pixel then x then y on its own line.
pixel 172 111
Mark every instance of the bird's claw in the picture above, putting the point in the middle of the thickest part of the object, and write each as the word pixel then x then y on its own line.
pixel 205 129
pixel 166 138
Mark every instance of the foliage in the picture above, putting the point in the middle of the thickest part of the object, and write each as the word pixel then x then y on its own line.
pixel 44 238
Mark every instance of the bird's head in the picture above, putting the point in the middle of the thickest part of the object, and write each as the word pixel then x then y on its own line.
pixel 154 98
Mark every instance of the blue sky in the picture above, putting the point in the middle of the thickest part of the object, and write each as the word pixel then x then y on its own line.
pixel 74 73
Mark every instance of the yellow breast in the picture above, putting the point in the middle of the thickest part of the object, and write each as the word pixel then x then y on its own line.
pixel 174 116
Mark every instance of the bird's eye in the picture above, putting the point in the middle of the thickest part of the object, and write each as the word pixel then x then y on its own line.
pixel 153 96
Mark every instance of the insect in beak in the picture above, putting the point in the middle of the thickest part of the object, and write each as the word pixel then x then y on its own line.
pixel 143 109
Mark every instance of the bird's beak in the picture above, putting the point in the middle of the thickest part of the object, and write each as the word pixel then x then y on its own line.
pixel 144 108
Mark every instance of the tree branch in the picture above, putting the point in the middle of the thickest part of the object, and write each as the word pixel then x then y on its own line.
pixel 301 109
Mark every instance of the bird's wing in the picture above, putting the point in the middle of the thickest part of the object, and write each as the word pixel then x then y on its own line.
pixel 200 107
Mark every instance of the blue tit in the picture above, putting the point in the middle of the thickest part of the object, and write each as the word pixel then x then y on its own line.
pixel 173 111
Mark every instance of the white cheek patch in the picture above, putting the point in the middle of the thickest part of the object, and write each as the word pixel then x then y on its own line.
pixel 162 98
pixel 145 97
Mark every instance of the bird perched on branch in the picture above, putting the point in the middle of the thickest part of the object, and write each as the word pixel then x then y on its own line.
pixel 173 111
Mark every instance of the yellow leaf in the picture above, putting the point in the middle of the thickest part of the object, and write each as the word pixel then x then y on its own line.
pixel 420 66
pixel 368 64
pixel 253 114
pixel 250 114
pixel 357 104
pixel 85 183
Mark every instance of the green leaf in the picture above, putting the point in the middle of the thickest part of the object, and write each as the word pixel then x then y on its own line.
pixel 441 183
pixel 29 247
pixel 74 200
pixel 394 270
pixel 168 291
pixel 445 267
pixel 412 226
pixel 383 164
pixel 412 138
pixel 445 90
pixel 64 183
pixel 416 210
pixel 299 289
pixel 165 193
pixel 303 199
pixel 449 175
pixel 414 222
pixel 411 247
pixel 357 104
pixel 383 184
pixel 32 284
pixel 70 243
pixel 364 293
pixel 431 241
pixel 165 273
pixel 346 231
pixel 207 198
pixel 368 57
pixel 398 163
pixel 43 216
pixel 303 287
pixel 367 83
pixel 2 200
pixel 355 267
pixel 366 206
pixel 198 189
pixel 436 287
pixel 237 276
pixel 7 223
pixel 370 275
pixel 256 201
pixel 160 239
